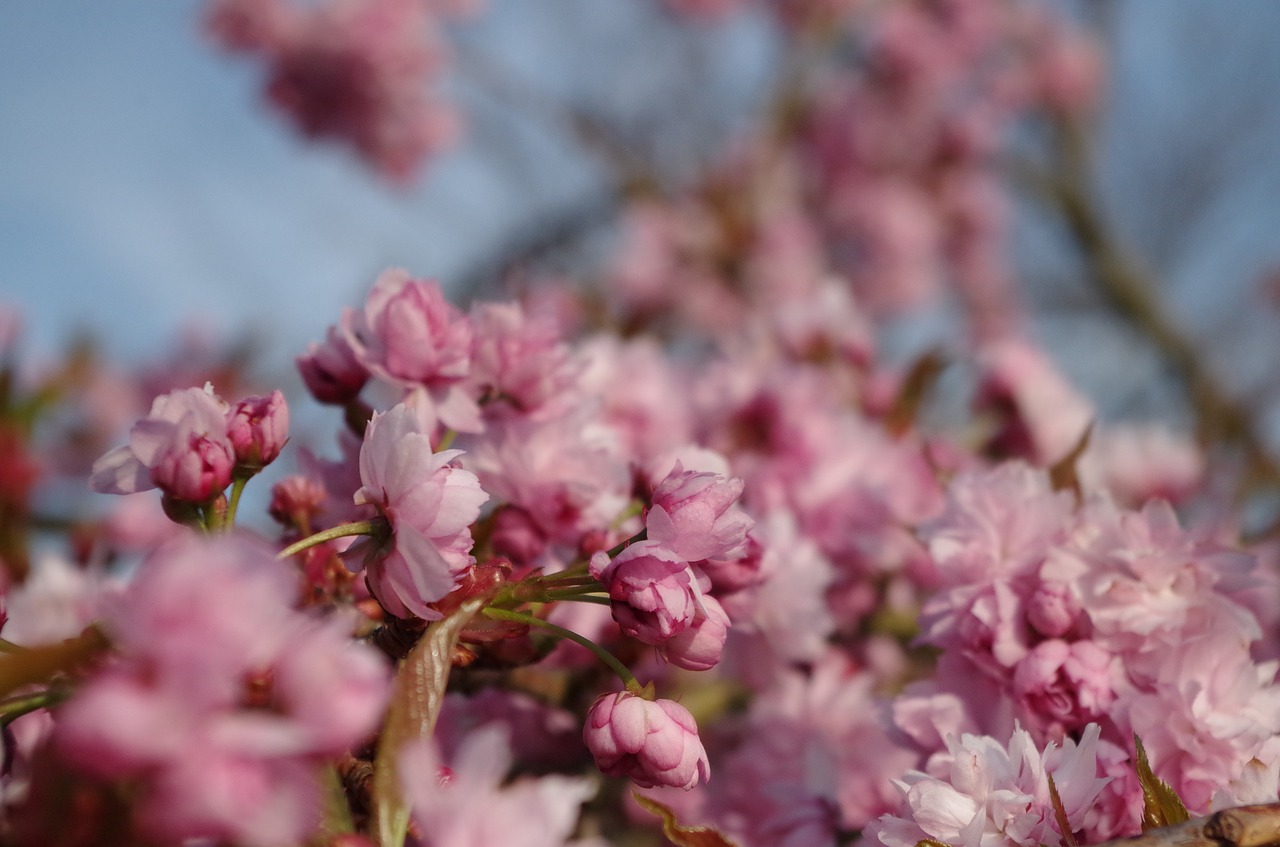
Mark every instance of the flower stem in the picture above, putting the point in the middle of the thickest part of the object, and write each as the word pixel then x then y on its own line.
pixel 623 545
pixel 446 439
pixel 602 654
pixel 11 710
pixel 237 488
pixel 584 594
pixel 339 531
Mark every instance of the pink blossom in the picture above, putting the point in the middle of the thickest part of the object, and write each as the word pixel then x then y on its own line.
pixel 699 646
pixel 353 70
pixel 410 336
pixel 222 699
pixel 1042 417
pixel 430 506
pixel 1061 686
pixel 694 515
pixel 655 594
pixel 181 447
pixel 258 428
pixel 518 359
pixel 473 808
pixel 331 370
pixel 567 473
pixel 996 794
pixel 650 742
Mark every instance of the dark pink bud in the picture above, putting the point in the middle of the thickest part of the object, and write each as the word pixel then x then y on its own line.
pixel 651 742
pixel 258 427
pixel 331 370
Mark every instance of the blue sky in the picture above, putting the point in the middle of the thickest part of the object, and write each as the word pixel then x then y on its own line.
pixel 143 184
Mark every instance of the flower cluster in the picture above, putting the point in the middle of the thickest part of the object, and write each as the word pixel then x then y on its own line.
pixel 222 701
pixel 688 514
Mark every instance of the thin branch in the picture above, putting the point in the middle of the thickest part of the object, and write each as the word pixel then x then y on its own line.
pixel 1245 826
pixel 1131 294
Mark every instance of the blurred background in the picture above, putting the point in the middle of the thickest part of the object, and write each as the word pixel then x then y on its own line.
pixel 146 188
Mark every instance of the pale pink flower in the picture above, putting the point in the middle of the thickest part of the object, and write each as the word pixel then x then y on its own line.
pixel 473 808
pixel 695 515
pixel 567 473
pixel 993 794
pixel 181 447
pixel 1062 686
pixel 1042 417
pixel 410 336
pixel 429 504
pixel 222 699
pixel 517 359
pixel 650 742
pixel 645 397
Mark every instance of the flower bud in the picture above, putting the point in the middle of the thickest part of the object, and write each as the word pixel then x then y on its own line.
pixel 699 647
pixel 258 427
pixel 296 500
pixel 331 370
pixel 654 593
pixel 196 470
pixel 651 742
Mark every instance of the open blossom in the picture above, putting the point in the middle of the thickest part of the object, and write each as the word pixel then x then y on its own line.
pixel 429 505
pixel 181 447
pixel 472 807
pixel 222 699
pixel 410 336
pixel 991 794
pixel 653 742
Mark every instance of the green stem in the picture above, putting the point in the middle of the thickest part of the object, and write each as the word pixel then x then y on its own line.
pixel 586 595
pixel 446 439
pixel 602 654
pixel 11 710
pixel 237 488
pixel 339 531
pixel 10 647
pixel 623 545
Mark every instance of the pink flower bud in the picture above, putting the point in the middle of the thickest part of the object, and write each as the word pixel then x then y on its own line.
pixel 655 594
pixel 331 370
pixel 694 514
pixel 195 471
pixel 258 427
pixel 296 500
pixel 651 742
pixel 698 647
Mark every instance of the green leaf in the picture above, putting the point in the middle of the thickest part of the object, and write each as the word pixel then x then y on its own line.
pixel 682 836
pixel 416 697
pixel 1161 804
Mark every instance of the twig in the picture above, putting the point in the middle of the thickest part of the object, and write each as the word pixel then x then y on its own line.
pixel 1131 294
pixel 1245 826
